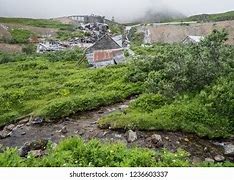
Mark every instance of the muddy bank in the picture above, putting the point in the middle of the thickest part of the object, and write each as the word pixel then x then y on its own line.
pixel 85 125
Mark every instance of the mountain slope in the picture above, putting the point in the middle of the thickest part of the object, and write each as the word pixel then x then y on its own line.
pixel 212 17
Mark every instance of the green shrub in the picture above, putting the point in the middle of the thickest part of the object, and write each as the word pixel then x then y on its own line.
pixel 20 36
pixel 68 55
pixel 66 35
pixel 136 37
pixel 148 102
pixel 29 49
pixel 219 98
pixel 191 117
pixel 174 69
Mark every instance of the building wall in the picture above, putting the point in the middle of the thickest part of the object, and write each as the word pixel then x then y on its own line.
pixel 118 58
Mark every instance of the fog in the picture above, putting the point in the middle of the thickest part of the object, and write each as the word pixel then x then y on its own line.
pixel 122 10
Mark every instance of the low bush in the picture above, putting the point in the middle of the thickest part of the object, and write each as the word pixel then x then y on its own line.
pixel 20 36
pixel 187 116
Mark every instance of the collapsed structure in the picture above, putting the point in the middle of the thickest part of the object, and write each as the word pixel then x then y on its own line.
pixel 101 48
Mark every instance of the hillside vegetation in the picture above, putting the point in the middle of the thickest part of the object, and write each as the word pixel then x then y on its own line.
pixel 49 87
pixel 212 17
pixel 45 23
pixel 186 88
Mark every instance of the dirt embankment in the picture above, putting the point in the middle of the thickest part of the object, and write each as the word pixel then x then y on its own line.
pixel 37 30
pixel 5 34
pixel 65 20
pixel 177 33
pixel 10 48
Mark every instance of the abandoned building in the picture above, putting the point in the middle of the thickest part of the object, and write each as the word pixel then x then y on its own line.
pixel 104 43
pixel 105 51
pixel 192 39
pixel 88 19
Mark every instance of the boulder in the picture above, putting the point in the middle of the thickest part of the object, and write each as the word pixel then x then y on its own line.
pixel 196 160
pixel 229 150
pixel 132 136
pixel 123 107
pixel 37 121
pixel 39 144
pixel 37 153
pixel 219 158
pixel 23 121
pixel 209 160
pixel 9 127
pixel 23 151
pixel 156 139
pixel 118 136
pixel 23 133
pixel 4 134
pixel 35 145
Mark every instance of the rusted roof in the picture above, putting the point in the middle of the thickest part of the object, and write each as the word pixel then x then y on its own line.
pixel 105 55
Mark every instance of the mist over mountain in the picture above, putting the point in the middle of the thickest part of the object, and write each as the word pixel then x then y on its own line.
pixel 152 15
pixel 122 10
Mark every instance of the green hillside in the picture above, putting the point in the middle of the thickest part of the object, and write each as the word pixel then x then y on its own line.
pixel 45 23
pixel 212 17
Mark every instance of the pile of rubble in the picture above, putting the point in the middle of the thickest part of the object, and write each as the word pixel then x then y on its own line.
pixel 92 31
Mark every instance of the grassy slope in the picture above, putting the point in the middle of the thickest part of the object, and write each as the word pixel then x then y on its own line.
pixel 191 112
pixel 57 89
pixel 45 23
pixel 212 17
pixel 190 116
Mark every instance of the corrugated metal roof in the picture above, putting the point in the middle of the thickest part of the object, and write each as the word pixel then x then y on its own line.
pixel 105 55
pixel 118 39
pixel 196 38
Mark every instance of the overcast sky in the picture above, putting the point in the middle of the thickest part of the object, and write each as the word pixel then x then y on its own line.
pixel 120 9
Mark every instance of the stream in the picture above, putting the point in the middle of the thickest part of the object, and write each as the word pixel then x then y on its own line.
pixel 85 125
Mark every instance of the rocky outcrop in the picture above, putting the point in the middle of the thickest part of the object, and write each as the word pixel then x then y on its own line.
pixel 5 133
pixel 132 136
pixel 219 158
pixel 229 150
pixel 33 146
pixel 156 140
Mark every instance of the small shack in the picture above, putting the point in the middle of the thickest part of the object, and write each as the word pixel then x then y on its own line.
pixel 106 51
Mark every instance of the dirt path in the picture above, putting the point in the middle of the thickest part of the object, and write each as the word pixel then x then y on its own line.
pixel 85 125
